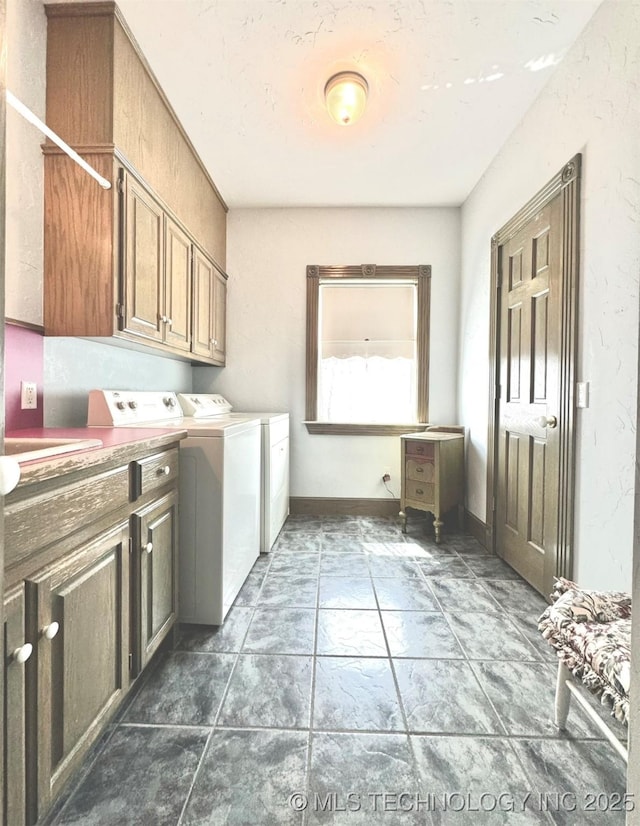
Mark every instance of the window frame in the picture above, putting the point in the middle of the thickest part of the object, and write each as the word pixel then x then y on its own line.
pixel 420 276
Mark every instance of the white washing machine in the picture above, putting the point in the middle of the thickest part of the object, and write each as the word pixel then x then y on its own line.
pixel 274 507
pixel 220 493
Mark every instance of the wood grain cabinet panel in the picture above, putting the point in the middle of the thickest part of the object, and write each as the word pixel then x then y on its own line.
pixel 209 309
pixel 94 601
pixel 78 611
pixel 118 264
pixel 432 470
pixel 14 803
pixel 155 586
pixel 143 274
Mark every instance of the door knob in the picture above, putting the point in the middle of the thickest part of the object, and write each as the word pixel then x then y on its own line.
pixel 148 547
pixel 547 421
pixel 51 630
pixel 22 654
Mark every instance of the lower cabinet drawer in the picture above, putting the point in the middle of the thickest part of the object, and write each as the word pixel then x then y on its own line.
pixel 420 491
pixel 420 470
pixel 153 472
pixel 36 522
pixel 420 448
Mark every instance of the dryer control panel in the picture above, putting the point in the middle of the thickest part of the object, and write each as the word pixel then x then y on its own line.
pixel 203 405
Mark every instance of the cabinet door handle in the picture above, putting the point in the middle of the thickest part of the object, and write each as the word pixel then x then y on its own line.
pixel 148 547
pixel 163 319
pixel 22 654
pixel 169 321
pixel 50 631
pixel 214 341
pixel 164 471
pixel 419 470
pixel 419 490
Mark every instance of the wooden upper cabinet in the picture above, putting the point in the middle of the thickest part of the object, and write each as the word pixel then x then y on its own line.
pixel 209 309
pixel 101 92
pixel 119 262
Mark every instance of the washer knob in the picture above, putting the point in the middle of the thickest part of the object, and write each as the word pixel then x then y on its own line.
pixel 120 405
pixel 133 404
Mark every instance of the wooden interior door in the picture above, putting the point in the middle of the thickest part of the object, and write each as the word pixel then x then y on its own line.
pixel 531 433
pixel 527 502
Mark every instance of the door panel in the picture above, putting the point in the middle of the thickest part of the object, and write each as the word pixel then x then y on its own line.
pixel 219 317
pixel 143 274
pixel 177 287
pixel 14 708
pixel 156 593
pixel 81 670
pixel 202 304
pixel 527 450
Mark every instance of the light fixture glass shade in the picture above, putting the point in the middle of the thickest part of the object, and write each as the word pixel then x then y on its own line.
pixel 346 97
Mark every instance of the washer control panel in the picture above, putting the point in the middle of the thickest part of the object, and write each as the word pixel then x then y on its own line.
pixel 111 408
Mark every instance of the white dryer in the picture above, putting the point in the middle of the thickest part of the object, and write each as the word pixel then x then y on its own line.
pixel 220 493
pixel 274 506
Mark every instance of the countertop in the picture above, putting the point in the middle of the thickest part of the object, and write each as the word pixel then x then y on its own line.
pixel 119 444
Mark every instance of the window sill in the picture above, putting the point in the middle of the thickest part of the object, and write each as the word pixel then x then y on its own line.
pixel 353 429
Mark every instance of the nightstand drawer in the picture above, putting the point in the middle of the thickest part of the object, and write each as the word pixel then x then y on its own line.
pixel 420 491
pixel 417 448
pixel 420 470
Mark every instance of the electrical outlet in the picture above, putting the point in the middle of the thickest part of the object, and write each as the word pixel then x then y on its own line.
pixel 386 476
pixel 28 395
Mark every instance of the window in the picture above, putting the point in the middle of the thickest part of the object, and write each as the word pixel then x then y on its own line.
pixel 367 349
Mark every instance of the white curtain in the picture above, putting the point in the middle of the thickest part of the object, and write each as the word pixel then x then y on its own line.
pixel 367 390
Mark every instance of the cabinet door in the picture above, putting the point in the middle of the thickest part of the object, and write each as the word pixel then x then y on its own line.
pixel 155 592
pixel 203 291
pixel 16 654
pixel 177 288
pixel 143 271
pixel 219 332
pixel 77 615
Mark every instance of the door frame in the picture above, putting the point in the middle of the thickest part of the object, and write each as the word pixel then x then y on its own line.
pixel 566 182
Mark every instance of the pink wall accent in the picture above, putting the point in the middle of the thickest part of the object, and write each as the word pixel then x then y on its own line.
pixel 23 361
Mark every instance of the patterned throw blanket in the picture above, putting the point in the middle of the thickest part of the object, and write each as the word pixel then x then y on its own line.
pixel 591 633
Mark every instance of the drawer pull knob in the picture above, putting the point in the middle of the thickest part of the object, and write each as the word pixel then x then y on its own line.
pixel 214 341
pixel 22 654
pixel 148 547
pixel 419 490
pixel 164 471
pixel 419 470
pixel 50 631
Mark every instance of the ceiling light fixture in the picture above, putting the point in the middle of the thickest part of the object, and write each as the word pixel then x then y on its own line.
pixel 345 96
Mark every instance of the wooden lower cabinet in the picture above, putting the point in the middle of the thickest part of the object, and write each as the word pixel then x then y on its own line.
pixel 87 604
pixel 155 585
pixel 78 618
pixel 17 653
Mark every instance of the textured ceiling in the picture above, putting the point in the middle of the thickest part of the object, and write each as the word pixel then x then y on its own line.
pixel 448 82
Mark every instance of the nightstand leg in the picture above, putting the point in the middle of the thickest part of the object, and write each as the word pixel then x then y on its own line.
pixel 437 524
pixel 403 516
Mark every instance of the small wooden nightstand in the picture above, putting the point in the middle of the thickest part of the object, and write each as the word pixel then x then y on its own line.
pixel 432 474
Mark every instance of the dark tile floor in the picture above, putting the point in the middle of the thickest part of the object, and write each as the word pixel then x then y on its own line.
pixel 361 677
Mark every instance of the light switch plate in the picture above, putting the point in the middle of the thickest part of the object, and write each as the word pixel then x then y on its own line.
pixel 582 394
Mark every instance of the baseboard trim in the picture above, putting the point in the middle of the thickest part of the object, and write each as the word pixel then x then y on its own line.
pixel 325 506
pixel 476 527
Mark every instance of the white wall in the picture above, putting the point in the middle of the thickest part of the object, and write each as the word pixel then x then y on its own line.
pixel 268 251
pixel 71 366
pixel 590 105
